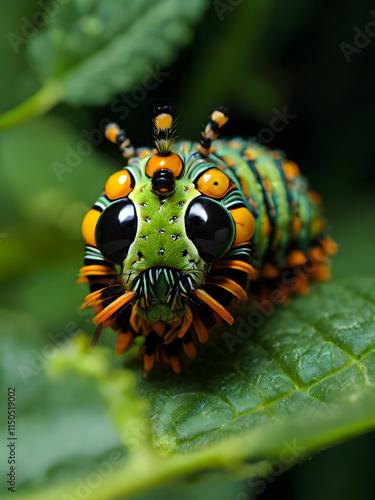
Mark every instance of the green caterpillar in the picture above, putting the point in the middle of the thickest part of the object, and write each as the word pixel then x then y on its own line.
pixel 186 231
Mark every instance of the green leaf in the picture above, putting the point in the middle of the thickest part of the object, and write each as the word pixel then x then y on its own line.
pixel 91 50
pixel 304 358
pixel 302 381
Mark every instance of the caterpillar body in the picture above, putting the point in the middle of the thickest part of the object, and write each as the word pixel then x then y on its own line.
pixel 186 232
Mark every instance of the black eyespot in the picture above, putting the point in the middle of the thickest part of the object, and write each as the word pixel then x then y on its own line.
pixel 116 230
pixel 211 228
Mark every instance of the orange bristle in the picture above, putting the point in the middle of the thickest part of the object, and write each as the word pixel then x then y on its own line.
pixel 329 246
pixel 229 285
pixel 236 264
pixel 200 329
pixel 113 307
pixel 270 271
pixel 148 361
pixel 215 305
pixel 296 258
pixel 175 363
pixel 163 121
pixel 186 323
pixel 95 270
pixel 82 279
pixel 189 350
pixel 123 341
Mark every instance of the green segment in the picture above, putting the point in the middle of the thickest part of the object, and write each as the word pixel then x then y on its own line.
pixel 253 197
pixel 270 196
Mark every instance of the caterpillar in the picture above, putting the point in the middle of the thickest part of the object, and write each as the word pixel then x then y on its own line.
pixel 187 231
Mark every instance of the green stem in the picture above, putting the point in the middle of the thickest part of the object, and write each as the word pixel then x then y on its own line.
pixel 41 102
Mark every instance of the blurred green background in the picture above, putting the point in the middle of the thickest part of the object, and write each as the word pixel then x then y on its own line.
pixel 254 57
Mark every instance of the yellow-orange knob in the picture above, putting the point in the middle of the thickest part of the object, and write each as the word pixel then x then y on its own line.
pixel 219 117
pixel 119 185
pixel 213 183
pixel 290 169
pixel 164 121
pixel 89 226
pixel 245 225
pixel 172 162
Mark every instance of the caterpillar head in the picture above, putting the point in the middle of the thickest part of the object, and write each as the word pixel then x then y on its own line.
pixel 171 217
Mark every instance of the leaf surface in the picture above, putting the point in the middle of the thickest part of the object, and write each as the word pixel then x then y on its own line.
pixel 302 381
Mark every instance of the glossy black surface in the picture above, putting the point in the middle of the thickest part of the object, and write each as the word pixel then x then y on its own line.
pixel 116 230
pixel 163 180
pixel 211 228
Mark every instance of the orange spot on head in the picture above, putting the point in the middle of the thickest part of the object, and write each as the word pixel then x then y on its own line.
pixel 89 226
pixel 119 185
pixel 245 225
pixel 213 183
pixel 173 162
